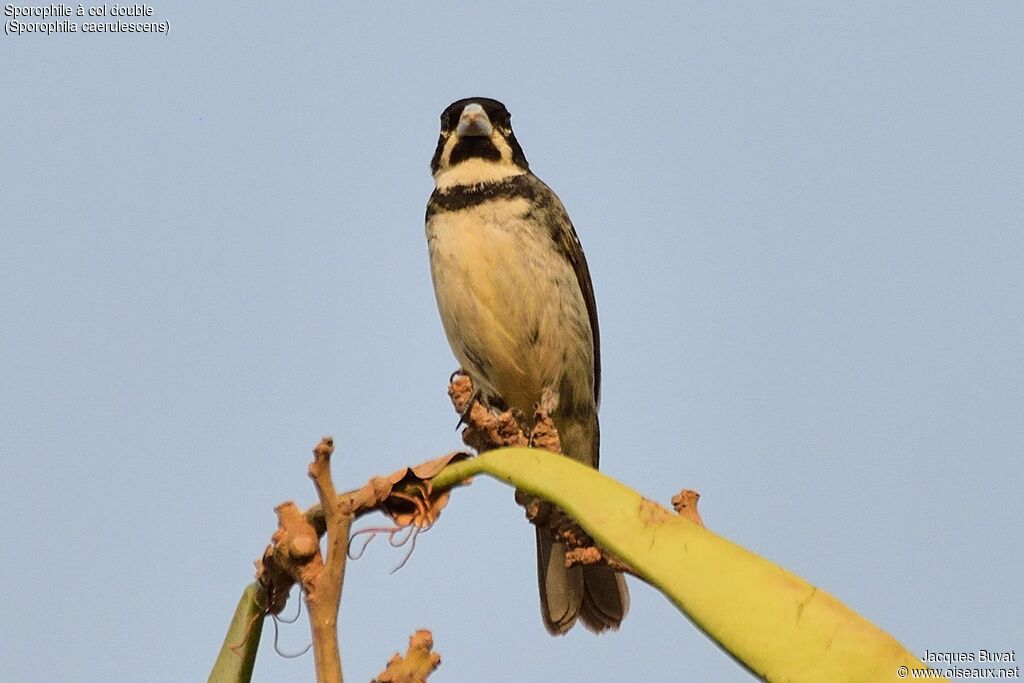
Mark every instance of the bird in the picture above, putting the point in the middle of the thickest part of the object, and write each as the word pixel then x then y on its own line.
pixel 517 305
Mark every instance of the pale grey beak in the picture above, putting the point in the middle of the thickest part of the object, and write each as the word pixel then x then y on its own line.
pixel 473 122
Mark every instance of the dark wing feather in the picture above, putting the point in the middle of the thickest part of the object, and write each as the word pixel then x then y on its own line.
pixel 568 243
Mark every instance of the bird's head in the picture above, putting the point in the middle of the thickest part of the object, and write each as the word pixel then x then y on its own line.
pixel 476 144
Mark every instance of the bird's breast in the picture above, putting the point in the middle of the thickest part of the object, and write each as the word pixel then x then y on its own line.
pixel 510 302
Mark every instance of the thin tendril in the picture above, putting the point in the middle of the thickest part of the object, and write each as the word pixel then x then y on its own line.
pixel 277 648
pixel 372 532
pixel 398 536
pixel 298 613
pixel 397 541
pixel 416 531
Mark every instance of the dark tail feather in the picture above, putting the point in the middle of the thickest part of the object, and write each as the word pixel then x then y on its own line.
pixel 605 599
pixel 561 589
pixel 594 594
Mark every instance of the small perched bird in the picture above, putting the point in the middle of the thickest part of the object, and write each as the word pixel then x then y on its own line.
pixel 517 305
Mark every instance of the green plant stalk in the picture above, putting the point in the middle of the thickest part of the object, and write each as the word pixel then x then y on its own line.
pixel 235 665
pixel 777 625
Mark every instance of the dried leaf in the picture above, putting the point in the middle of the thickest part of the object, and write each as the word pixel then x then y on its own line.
pixel 412 500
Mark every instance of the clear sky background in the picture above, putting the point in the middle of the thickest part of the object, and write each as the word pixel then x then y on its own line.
pixel 804 224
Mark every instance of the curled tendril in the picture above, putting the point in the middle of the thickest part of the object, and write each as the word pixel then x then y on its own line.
pixel 422 519
pixel 416 531
pixel 277 632
pixel 298 613
pixel 398 536
pixel 264 611
pixel 370 533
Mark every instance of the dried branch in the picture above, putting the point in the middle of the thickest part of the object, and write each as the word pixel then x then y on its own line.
pixel 406 495
pixel 323 596
pixel 293 555
pixel 685 504
pixel 419 661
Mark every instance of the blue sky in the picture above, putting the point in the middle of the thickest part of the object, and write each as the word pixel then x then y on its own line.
pixel 804 228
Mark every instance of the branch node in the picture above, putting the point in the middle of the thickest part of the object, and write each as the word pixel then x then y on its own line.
pixel 419 662
pixel 685 505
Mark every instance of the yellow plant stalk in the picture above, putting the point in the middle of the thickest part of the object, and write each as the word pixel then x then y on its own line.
pixel 774 623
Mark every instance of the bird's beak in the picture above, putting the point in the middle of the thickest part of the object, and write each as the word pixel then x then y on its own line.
pixel 474 122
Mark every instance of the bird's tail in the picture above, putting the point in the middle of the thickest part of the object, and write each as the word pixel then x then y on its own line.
pixel 595 594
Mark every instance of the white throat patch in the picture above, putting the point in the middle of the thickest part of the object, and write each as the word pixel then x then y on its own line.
pixel 475 172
